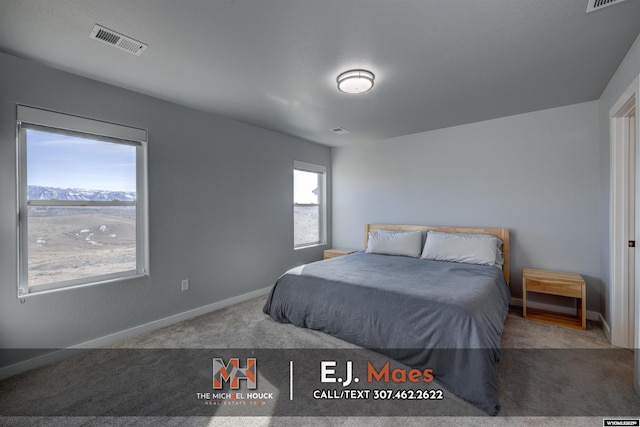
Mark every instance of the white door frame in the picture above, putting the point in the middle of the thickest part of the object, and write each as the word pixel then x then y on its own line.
pixel 618 226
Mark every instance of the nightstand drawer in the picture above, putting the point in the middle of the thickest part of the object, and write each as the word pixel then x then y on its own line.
pixel 546 286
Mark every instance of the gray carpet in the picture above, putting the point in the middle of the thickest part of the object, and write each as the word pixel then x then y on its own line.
pixel 547 373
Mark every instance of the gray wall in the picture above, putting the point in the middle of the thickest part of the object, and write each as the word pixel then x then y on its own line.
pixel 626 72
pixel 221 215
pixel 536 173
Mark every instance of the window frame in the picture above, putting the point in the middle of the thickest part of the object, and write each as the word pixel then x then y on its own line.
pixel 322 201
pixel 64 124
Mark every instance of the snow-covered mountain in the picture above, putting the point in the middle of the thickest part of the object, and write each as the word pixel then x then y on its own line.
pixel 36 192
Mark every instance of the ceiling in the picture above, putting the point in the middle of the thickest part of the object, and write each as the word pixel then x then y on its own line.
pixel 274 63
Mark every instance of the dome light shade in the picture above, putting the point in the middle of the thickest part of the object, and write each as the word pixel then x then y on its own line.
pixel 355 81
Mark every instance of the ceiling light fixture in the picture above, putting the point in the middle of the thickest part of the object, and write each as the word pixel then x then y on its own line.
pixel 355 81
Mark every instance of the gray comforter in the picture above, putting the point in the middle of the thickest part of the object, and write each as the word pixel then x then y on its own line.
pixel 426 314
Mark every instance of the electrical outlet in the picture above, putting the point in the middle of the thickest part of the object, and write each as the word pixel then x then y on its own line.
pixel 185 285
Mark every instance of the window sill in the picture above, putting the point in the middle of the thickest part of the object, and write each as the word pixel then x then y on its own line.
pixel 34 292
pixel 311 245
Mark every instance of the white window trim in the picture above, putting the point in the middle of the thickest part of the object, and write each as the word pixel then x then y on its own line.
pixel 322 198
pixel 30 117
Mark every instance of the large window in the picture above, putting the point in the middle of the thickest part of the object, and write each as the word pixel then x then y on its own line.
pixel 309 204
pixel 82 201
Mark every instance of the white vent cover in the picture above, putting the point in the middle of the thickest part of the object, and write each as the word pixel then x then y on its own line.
pixel 340 131
pixel 118 40
pixel 594 5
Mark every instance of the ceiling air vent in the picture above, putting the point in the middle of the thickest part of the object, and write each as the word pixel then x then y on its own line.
pixel 594 5
pixel 340 131
pixel 118 40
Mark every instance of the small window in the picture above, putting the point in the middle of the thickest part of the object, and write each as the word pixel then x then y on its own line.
pixel 309 205
pixel 82 201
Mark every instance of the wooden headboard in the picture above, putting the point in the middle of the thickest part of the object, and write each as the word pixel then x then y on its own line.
pixel 500 233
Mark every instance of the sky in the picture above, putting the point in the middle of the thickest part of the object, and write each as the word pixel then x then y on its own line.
pixel 303 185
pixel 62 161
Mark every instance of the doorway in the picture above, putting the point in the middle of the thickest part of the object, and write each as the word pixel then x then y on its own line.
pixel 624 258
pixel 628 134
pixel 625 200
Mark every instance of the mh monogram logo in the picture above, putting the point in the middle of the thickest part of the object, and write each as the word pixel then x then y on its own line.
pixel 224 372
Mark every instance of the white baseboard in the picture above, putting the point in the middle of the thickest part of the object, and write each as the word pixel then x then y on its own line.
pixel 605 327
pixel 591 315
pixel 57 355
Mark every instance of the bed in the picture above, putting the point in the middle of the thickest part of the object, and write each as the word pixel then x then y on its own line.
pixel 423 311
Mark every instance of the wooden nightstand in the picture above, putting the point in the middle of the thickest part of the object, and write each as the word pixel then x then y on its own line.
pixel 332 253
pixel 555 283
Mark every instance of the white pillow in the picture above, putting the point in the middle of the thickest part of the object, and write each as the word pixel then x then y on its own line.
pixel 404 243
pixel 458 247
pixel 423 235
